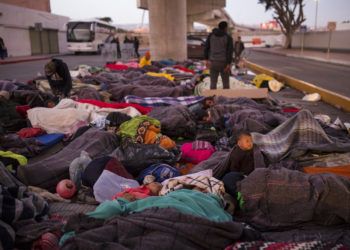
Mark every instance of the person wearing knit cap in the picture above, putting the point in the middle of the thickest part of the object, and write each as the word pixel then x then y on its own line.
pixel 145 60
pixel 57 73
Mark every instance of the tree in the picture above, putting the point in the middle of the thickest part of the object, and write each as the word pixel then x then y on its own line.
pixel 289 14
pixel 106 19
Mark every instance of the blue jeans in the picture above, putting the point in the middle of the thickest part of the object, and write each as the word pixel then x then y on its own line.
pixel 2 54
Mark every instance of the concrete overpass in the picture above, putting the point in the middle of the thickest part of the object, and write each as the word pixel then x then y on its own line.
pixel 170 20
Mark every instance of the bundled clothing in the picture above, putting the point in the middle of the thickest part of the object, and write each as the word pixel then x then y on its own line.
pixel 140 107
pixel 176 120
pixel 17 205
pixel 322 199
pixel 295 137
pixel 53 168
pixel 192 202
pixel 203 183
pixel 145 62
pixel 167 228
pixel 163 101
pixel 56 120
pixel 144 129
pixel 10 120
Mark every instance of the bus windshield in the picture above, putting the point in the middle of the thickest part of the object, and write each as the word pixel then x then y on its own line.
pixel 79 32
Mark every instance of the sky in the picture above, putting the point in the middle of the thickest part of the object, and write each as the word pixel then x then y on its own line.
pixel 242 11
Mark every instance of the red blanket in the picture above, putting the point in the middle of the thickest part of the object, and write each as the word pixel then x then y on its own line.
pixel 141 109
pixel 117 66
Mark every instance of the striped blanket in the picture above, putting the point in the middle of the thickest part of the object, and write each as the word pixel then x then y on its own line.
pixel 203 183
pixel 163 101
pixel 295 137
pixel 16 204
pixel 307 245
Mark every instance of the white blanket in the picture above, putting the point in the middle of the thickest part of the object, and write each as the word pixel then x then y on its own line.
pixel 65 121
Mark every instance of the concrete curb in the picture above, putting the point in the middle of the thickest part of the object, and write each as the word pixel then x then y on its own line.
pixel 24 60
pixel 312 58
pixel 332 61
pixel 31 58
pixel 327 96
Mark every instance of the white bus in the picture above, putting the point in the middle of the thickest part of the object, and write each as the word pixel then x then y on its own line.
pixel 88 35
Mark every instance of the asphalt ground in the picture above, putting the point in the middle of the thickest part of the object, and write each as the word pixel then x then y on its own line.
pixel 25 71
pixel 332 77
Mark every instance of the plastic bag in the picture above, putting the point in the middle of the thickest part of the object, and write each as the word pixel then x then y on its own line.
pixel 136 157
pixel 109 184
pixel 77 167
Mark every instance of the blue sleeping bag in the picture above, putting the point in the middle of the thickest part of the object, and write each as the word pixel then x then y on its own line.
pixel 50 140
pixel 160 171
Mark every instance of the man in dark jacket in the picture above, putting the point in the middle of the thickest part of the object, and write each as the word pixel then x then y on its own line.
pixel 2 49
pixel 218 53
pixel 239 47
pixel 136 46
pixel 57 73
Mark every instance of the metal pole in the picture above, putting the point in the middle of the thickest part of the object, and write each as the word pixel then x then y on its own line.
pixel 329 44
pixel 302 43
pixel 316 14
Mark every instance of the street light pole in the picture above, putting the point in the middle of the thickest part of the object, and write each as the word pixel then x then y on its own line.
pixel 316 14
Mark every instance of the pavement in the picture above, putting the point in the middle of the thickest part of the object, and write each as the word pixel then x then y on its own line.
pixel 19 59
pixel 332 77
pixel 320 56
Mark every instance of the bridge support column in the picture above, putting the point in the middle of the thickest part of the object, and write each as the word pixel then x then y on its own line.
pixel 168 26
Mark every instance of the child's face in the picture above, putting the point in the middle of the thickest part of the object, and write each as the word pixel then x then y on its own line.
pixel 51 104
pixel 245 142
pixel 154 187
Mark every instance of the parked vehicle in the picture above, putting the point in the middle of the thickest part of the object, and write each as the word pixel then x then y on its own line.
pixel 195 47
pixel 88 35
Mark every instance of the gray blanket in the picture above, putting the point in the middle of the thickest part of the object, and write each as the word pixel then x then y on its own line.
pixel 158 229
pixel 253 120
pixel 49 171
pixel 17 205
pixel 295 137
pixel 175 120
pixel 274 199
pixel 216 162
pixel 119 91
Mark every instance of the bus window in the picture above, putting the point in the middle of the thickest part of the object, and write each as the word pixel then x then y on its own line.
pixel 79 32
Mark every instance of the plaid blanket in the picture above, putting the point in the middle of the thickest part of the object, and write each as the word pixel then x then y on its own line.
pixel 47 172
pixel 17 204
pixel 276 199
pixel 293 138
pixel 203 183
pixel 157 228
pixel 201 145
pixel 308 245
pixel 163 101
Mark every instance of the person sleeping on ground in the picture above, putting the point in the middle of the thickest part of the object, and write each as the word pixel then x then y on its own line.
pixel 146 130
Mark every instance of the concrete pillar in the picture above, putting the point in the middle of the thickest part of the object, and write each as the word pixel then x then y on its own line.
pixel 190 26
pixel 168 25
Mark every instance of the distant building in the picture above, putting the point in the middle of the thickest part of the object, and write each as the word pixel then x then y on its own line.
pixel 28 28
pixel 41 5
pixel 271 25
pixel 345 25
